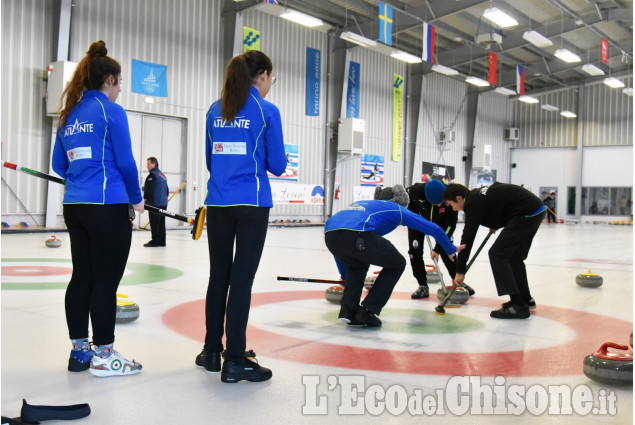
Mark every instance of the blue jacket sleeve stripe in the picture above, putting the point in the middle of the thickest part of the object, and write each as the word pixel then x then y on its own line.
pixel 103 151
pixel 264 125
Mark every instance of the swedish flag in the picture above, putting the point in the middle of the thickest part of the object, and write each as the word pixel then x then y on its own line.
pixel 385 23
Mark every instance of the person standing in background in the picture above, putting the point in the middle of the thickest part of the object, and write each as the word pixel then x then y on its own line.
pixel 550 202
pixel 93 152
pixel 244 141
pixel 155 193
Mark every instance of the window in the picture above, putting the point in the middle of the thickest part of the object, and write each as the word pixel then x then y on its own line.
pixel 607 201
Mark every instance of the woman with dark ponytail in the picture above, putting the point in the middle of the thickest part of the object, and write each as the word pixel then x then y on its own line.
pixel 93 152
pixel 244 141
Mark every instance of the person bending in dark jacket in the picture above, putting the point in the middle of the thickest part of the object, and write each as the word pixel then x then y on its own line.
pixel 355 238
pixel 155 193
pixel 520 212
pixel 426 199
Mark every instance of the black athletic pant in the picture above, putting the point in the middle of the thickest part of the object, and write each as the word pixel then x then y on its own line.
pixel 378 251
pixel 232 275
pixel 508 253
pixel 157 227
pixel 416 241
pixel 100 243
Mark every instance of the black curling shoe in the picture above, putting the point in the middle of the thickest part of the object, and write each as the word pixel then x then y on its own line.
pixel 209 360
pixel 364 317
pixel 246 369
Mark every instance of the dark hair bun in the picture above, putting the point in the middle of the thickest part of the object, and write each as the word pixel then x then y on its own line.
pixel 97 49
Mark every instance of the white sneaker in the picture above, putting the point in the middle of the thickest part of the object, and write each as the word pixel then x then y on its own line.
pixel 114 365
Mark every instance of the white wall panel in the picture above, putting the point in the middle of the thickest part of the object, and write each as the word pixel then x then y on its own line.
pixel 556 167
pixel 27 49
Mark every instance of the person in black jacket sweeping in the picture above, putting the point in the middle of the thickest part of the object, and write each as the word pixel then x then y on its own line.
pixel 520 212
pixel 155 193
pixel 426 199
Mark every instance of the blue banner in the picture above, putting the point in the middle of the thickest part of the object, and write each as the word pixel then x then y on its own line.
pixel 352 93
pixel 312 82
pixel 149 78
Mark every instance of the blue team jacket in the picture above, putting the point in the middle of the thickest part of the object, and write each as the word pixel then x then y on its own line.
pixel 383 217
pixel 240 153
pixel 93 152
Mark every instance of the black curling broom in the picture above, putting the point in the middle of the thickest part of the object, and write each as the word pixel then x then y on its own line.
pixel 197 222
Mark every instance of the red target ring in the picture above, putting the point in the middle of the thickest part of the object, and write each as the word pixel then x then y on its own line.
pixel 564 359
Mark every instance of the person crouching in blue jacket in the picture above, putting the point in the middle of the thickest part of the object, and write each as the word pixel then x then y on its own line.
pixel 355 237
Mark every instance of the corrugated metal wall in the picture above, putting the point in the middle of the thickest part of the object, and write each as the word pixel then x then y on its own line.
pixel 27 49
pixel 443 107
pixel 609 115
pixel 376 109
pixel 285 43
pixel 185 36
pixel 493 115
pixel 540 128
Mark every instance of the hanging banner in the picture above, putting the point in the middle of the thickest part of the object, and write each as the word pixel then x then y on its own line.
pixel 493 69
pixel 312 82
pixel 604 50
pixel 520 79
pixel 428 42
pixel 251 39
pixel 352 92
pixel 397 116
pixel 291 172
pixel 385 23
pixel 149 78
pixel 372 170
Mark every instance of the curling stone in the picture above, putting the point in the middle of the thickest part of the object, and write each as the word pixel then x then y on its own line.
pixel 369 282
pixel 53 242
pixel 432 274
pixel 589 280
pixel 613 368
pixel 334 294
pixel 460 296
pixel 127 311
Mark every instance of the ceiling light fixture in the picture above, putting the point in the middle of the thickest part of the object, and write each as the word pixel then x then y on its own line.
pixel 444 70
pixel 628 91
pixel 301 18
pixel 405 56
pixel 499 17
pixel 357 39
pixel 567 56
pixel 528 99
pixel 592 69
pixel 613 82
pixel 537 39
pixel 550 108
pixel 477 81
pixel 505 91
pixel 568 114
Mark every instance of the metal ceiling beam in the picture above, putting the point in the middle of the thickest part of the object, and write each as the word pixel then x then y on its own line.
pixel 564 8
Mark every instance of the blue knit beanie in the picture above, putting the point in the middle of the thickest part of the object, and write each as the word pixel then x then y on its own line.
pixel 434 191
